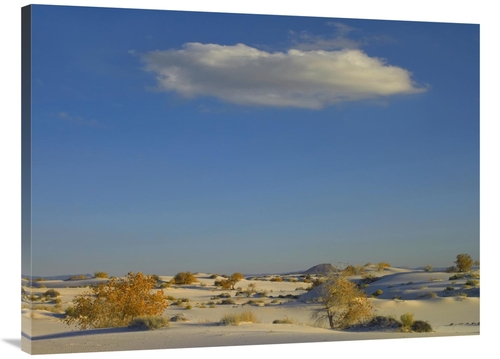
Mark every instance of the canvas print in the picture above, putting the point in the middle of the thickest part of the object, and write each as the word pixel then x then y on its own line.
pixel 198 179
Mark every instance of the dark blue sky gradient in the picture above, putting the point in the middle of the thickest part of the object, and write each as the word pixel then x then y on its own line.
pixel 129 178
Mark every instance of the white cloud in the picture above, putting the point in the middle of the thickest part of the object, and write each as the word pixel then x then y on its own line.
pixel 304 79
pixel 78 120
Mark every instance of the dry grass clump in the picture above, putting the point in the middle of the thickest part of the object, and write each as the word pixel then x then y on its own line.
pixel 382 265
pixel 149 322
pixel 407 320
pixel 78 277
pixel 100 274
pixel 428 295
pixel 276 279
pixel 235 319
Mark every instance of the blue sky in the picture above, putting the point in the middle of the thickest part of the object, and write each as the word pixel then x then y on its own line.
pixel 172 141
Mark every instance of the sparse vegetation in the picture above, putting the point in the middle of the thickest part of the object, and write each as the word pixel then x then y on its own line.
pixel 420 326
pixel 116 303
pixel 377 293
pixel 182 278
pixel 78 277
pixel 342 303
pixel 51 293
pixel 407 320
pixel 428 295
pixel 464 262
pixel 148 322
pixel 101 275
pixel 382 265
pixel 230 282
pixel 428 268
pixel 235 319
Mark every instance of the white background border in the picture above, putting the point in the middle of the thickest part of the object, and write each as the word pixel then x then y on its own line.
pixel 478 12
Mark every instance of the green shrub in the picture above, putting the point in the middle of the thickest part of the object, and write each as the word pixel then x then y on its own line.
pixel 100 274
pixel 472 282
pixel 428 268
pixel 407 320
pixel 464 262
pixel 449 288
pixel 276 279
pixel 420 326
pixel 149 322
pixel 377 293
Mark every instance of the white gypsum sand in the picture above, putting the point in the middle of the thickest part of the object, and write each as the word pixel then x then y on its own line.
pixel 448 311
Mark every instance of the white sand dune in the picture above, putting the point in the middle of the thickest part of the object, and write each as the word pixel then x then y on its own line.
pixel 403 290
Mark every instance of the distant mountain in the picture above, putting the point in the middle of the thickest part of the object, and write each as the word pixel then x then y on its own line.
pixel 319 269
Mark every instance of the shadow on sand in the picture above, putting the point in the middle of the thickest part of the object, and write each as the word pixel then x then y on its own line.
pixel 77 333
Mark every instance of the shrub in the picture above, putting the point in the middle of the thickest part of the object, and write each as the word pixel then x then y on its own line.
pixel 223 283
pixel 116 302
pixel 383 322
pixel 51 293
pixel 276 279
pixel 407 320
pixel 451 269
pixel 377 293
pixel 179 318
pixel 464 262
pixel 227 301
pixel 149 322
pixel 449 288
pixel 101 275
pixel 427 295
pixel 213 276
pixel 342 303
pixel 184 278
pixel 369 278
pixel 420 326
pixel 77 277
pixel 354 270
pixel 428 268
pixel 235 319
pixel 251 289
pixel 230 281
pixel 457 276
pixel 382 265
pixel 472 282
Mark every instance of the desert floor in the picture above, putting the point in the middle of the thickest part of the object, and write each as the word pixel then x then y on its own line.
pixel 451 312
